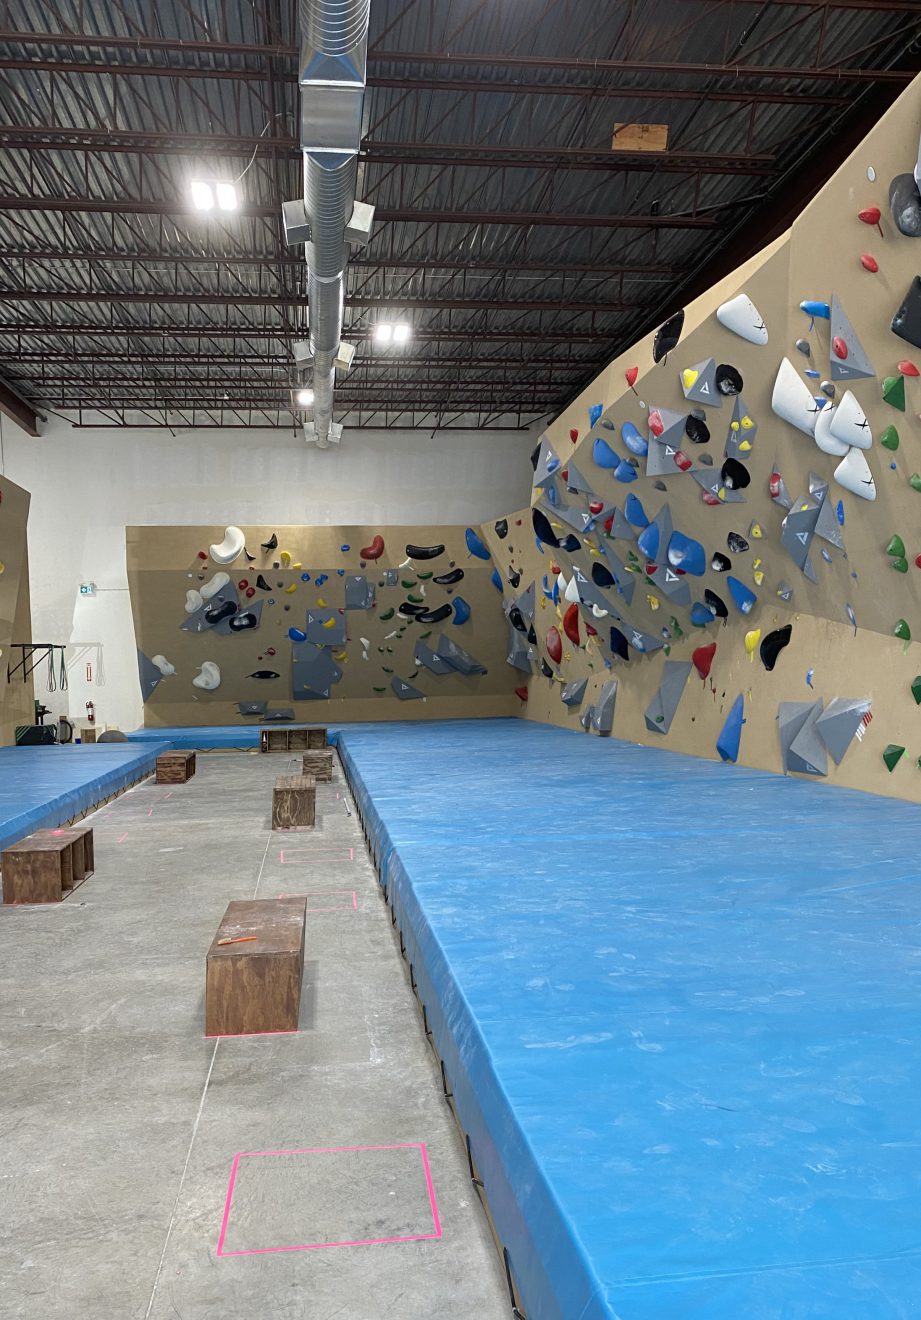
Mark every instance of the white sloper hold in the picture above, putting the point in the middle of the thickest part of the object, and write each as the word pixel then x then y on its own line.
pixel 230 548
pixel 163 665
pixel 209 678
pixel 850 424
pixel 741 316
pixel 791 399
pixel 572 591
pixel 193 601
pixel 824 438
pixel 853 473
pixel 217 583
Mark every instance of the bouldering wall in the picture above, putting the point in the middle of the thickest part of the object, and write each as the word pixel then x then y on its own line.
pixel 722 555
pixel 17 701
pixel 316 624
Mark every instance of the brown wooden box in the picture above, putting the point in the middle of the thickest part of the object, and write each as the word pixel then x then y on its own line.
pixel 319 764
pixel 175 767
pixel 295 739
pixel 87 735
pixel 44 866
pixel 294 802
pixel 256 985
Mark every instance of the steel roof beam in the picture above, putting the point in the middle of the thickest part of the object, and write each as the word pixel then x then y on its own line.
pixel 18 409
pixel 176 299
pixel 78 330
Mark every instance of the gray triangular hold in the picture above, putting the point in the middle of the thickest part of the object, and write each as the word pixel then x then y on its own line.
pixel 405 691
pixel 743 430
pixel 525 602
pixel 519 656
pixel 704 388
pixel 572 693
pixel 673 424
pixel 856 366
pixel 660 460
pixel 791 717
pixel 661 710
pixel 784 591
pixel 807 754
pixel 712 483
pixel 359 592
pixel 640 641
pixel 827 525
pixel 437 665
pixel 671 584
pixel 621 529
pixel 548 463
pixel 602 713
pixel 839 723
pixel 458 658
pixel 798 529
pixel 149 675
pixel 587 717
pixel 575 480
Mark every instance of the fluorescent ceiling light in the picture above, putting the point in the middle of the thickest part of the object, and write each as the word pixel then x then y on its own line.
pixel 400 333
pixel 383 332
pixel 304 398
pixel 202 195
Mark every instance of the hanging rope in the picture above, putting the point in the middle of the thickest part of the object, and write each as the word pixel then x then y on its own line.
pixel 63 671
pixel 51 681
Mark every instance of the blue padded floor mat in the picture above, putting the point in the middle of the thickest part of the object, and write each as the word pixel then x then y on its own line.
pixel 678 1007
pixel 212 737
pixel 41 787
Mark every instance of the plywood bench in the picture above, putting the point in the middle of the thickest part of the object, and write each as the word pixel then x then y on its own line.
pixel 294 802
pixel 175 767
pixel 253 983
pixel 295 739
pixel 44 866
pixel 319 764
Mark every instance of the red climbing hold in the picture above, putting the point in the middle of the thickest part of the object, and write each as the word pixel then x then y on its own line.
pixel 554 645
pixel 839 347
pixel 908 368
pixel 571 623
pixel 650 568
pixel 374 550
pixel 595 506
pixel 574 435
pixel 917 561
pixel 708 498
pixel 869 263
pixel 521 693
pixel 630 376
pixel 775 484
pixel 565 474
pixel 609 524
pixel 592 632
pixel 250 592
pixel 656 425
pixel 702 659
pixel 202 555
pixel 555 568
pixel 682 461
pixel 870 215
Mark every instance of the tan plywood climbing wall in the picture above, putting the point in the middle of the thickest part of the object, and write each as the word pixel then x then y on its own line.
pixel 595 484
pixel 362 665
pixel 16 697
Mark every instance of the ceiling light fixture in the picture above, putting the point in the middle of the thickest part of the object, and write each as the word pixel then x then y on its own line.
pixel 386 332
pixel 304 398
pixel 211 194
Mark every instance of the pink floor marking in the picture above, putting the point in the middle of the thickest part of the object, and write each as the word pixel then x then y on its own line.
pixel 248 1035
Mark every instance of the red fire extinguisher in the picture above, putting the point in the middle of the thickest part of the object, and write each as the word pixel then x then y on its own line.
pixel 91 712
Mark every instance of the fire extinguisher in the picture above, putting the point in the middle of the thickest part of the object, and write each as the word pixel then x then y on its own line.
pixel 91 712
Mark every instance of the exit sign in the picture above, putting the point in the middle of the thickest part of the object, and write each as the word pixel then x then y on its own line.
pixel 87 588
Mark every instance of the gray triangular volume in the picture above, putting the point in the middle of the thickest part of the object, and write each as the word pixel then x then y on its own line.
pixel 620 528
pixel 642 642
pixel 827 525
pixel 791 716
pixel 149 675
pixel 359 592
pixel 856 366
pixel 548 463
pixel 576 481
pixel 458 658
pixel 712 482
pixel 703 389
pixel 839 723
pixel 587 717
pixel 671 584
pixel 426 656
pixel 660 460
pixel 661 710
pixel 743 430
pixel 520 655
pixel 525 602
pixel 405 691
pixel 572 693
pixel 602 713
pixel 798 529
pixel 807 754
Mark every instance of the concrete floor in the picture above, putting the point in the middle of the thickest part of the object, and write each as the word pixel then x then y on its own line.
pixel 120 1122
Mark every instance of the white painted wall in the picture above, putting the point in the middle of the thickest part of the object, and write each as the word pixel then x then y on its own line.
pixel 87 485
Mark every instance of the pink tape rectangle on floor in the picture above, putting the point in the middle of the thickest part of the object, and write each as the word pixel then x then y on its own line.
pixel 320 1246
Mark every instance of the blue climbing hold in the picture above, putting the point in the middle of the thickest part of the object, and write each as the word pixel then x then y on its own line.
pixel 839 512
pixel 603 455
pixel 475 545
pixel 461 610
pixel 727 744
pixel 635 442
pixel 625 472
pixel 742 596
pixel 634 511
pixel 701 615
pixel 305 577
pixel 296 635
pixel 686 553
pixel 594 413
pixel 340 572
pixel 814 308
pixel 648 541
pixel 495 579
pixel 813 375
pixel 552 496
pixel 323 577
pixel 345 549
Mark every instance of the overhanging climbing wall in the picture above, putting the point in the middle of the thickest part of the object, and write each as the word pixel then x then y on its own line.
pixel 723 556
pixel 16 697
pixel 248 625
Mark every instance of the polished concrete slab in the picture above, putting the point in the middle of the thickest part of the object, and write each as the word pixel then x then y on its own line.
pixel 121 1123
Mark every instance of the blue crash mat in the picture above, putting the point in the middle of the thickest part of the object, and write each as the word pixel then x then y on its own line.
pixel 213 737
pixel 41 787
pixel 679 1008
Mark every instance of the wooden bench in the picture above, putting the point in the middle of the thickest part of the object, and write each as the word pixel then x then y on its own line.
pixel 44 866
pixel 319 764
pixel 294 802
pixel 254 984
pixel 175 767
pixel 295 739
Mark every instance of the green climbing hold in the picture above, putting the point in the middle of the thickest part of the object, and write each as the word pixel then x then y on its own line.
pixel 379 689
pixel 894 392
pixel 388 614
pixel 386 670
pixel 890 438
pixel 892 755
pixel 900 565
pixel 676 627
pixel 424 577
pixel 416 600
pixel 667 650
pixel 916 689
pixel 422 636
pixel 915 481
pixel 407 583
pixel 902 630
pixel 896 547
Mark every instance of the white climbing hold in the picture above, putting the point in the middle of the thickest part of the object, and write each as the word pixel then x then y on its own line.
pixel 741 316
pixel 230 548
pixel 163 665
pixel 824 438
pixel 791 399
pixel 850 424
pixel 209 678
pixel 572 592
pixel 193 601
pixel 217 583
pixel 853 473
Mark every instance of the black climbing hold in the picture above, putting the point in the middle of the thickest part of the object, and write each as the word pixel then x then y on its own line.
pixel 448 579
pixel 532 635
pixel 242 622
pixel 271 543
pixel 905 205
pixel 434 616
pixel 249 557
pixel 542 529
pixel 720 563
pixel 602 575
pixel 728 380
pixel 545 668
pixel 411 611
pixel 571 544
pixel 667 336
pixel 264 673
pixel 715 604
pixel 501 527
pixel 516 619
pixel 514 577
pixel 619 644
pixel 425 551
pixel 215 613
pixel 907 321
pixel 736 543
pixel 696 430
pixel 773 644
pixel 734 474
pixel 262 584
pixel 659 485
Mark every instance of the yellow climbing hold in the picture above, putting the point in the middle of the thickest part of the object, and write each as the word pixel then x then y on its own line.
pixel 652 602
pixel 688 377
pixel 751 641
pixel 747 423
pixel 757 572
pixel 321 602
pixel 745 446
pixel 297 565
pixel 289 590
pixel 340 655
pixel 285 557
pixel 331 623
pixel 756 530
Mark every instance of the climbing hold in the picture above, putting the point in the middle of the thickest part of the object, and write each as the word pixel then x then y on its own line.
pixel 521 693
pixel 625 472
pixel 828 389
pixel 741 316
pixel 720 563
pixel 871 215
pixel 244 622
pixel 387 614
pixel 890 438
pixel 896 546
pixel 728 380
pixel 908 368
pixel 594 413
pixel 554 643
pixel 696 429
pixel 571 624
pixel 849 423
pixel 702 658
pixel 434 616
pixel 223 610
pixel 742 596
pixel 869 262
pixel 736 544
pixel 915 481
pixel 344 548
pixel 757 572
pixel 892 754
pixel 271 543
pixel 573 435
pixel 433 551
pixel 603 455
pixel 773 644
pixel 915 686
pixel 290 590
pixel 853 473
pixel 735 475
pixel 630 376
pixel 902 631
pixel 804 346
pixel 901 565
pixel 752 639
pixel 501 528
pixel 839 348
pixel 542 529
pixel 634 511
pixel 634 442
pixel 656 422
pixel 715 604
pixel 729 740
pixel 816 309
pixel 297 635
pixel 894 392
pixel 686 554
pixel 667 336
pixel 461 610
pixel 374 550
pixel 209 676
pixel 193 601
pixel 791 399
pixel 285 557
pixel 217 583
